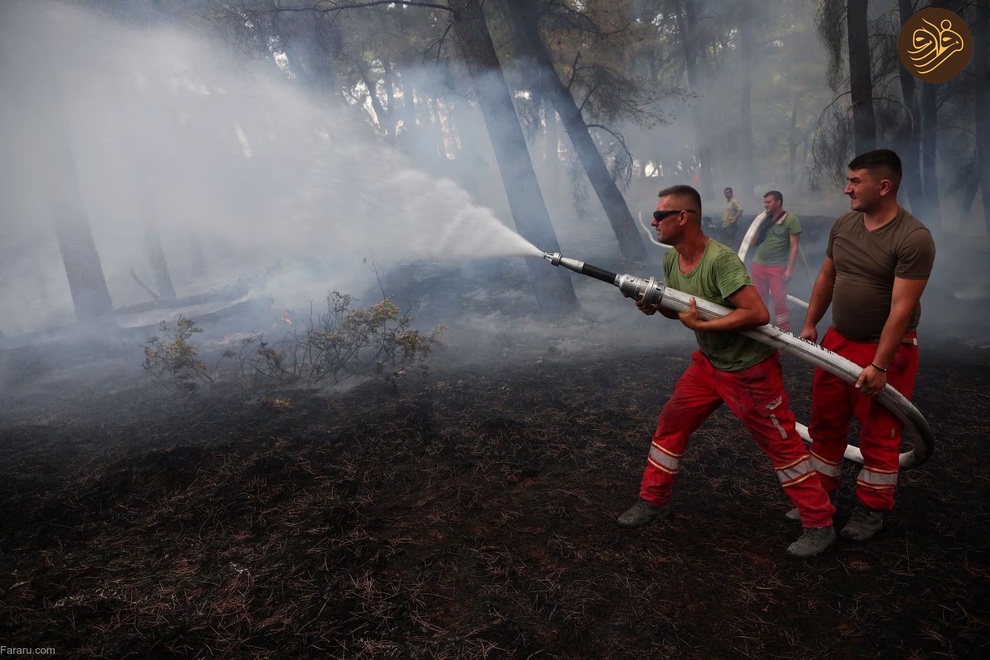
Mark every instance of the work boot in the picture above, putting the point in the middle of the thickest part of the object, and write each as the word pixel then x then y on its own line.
pixel 813 541
pixel 641 513
pixel 863 524
pixel 795 516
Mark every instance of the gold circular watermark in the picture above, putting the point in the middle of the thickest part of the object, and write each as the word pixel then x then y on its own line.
pixel 935 45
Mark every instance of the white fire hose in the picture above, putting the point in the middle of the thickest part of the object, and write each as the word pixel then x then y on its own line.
pixel 847 370
pixel 747 241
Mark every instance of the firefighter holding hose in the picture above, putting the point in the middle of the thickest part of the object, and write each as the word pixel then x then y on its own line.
pixel 877 263
pixel 729 368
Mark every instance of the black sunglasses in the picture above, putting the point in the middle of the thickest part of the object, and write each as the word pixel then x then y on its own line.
pixel 660 216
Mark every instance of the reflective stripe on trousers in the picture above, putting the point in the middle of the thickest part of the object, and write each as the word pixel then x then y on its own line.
pixel 664 460
pixel 834 402
pixel 756 396
pixel 877 479
pixel 825 468
pixel 795 473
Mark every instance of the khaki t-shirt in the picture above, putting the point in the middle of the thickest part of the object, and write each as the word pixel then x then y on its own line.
pixel 866 263
pixel 718 275
pixel 733 210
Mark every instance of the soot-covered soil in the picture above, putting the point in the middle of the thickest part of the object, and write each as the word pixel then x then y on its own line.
pixel 468 514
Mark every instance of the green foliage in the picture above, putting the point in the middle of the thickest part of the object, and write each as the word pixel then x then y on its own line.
pixel 172 361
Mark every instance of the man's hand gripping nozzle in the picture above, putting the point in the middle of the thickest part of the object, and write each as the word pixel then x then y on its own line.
pixel 649 291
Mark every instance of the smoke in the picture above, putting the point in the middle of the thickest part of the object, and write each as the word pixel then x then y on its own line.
pixel 250 183
pixel 243 177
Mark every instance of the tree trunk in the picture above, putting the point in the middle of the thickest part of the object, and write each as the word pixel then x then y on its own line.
pixel 686 25
pixel 54 166
pixel 553 287
pixel 963 190
pixel 388 79
pixel 981 69
pixel 309 59
pixel 746 108
pixel 409 128
pixel 860 78
pixel 553 144
pixel 83 268
pixel 929 149
pixel 438 140
pixel 195 259
pixel 911 142
pixel 380 113
pixel 792 140
pixel 156 257
pixel 623 225
pixel 144 165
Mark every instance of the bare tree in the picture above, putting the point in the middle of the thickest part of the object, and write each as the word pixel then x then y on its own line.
pixel 554 290
pixel 860 76
pixel 746 105
pixel 911 138
pixel 687 27
pixel 54 164
pixel 981 70
pixel 525 19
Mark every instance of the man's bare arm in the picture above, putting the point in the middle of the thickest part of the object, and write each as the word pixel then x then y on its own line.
pixel 905 297
pixel 749 313
pixel 821 298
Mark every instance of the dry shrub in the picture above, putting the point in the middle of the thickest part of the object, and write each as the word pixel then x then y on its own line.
pixel 374 343
pixel 173 362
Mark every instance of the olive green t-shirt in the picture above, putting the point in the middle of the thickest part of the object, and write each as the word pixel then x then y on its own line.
pixel 866 263
pixel 775 250
pixel 718 275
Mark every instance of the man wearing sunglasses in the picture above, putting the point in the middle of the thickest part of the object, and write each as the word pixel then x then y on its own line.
pixel 729 368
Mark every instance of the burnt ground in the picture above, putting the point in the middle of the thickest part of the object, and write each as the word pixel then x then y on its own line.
pixel 467 513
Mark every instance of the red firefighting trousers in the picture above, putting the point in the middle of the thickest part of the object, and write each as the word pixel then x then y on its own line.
pixel 769 283
pixel 834 402
pixel 756 396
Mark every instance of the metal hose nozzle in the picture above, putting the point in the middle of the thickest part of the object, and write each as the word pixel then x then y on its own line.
pixel 556 259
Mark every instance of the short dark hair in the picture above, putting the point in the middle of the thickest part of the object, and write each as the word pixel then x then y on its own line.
pixel 729 189
pixel 885 160
pixel 682 190
pixel 776 195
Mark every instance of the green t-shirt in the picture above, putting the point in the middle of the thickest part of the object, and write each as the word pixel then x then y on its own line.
pixel 718 275
pixel 775 250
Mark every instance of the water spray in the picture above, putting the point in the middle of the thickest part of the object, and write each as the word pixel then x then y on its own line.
pixel 653 292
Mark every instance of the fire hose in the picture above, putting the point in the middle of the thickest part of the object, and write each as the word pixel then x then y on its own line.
pixel 852 453
pixel 653 292
pixel 747 241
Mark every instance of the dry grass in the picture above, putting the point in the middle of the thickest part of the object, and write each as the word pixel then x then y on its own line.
pixel 472 515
